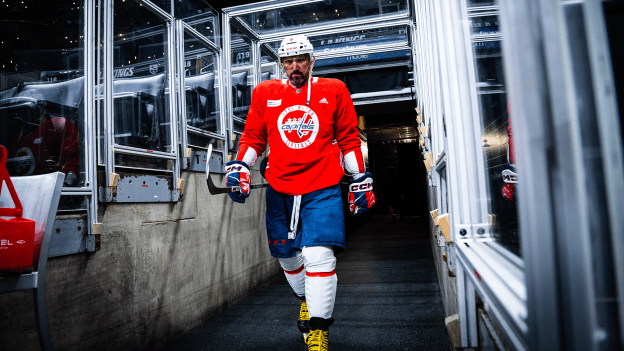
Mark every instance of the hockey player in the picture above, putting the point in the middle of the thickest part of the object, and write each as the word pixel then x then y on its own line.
pixel 311 127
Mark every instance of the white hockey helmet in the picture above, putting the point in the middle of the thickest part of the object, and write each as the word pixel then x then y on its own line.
pixel 295 45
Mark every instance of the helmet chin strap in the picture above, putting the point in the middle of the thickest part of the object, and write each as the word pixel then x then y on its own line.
pixel 313 60
pixel 309 89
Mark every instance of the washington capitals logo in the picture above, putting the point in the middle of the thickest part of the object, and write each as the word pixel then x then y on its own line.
pixel 303 125
pixel 302 120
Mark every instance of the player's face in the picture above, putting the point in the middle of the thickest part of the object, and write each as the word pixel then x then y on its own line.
pixel 298 69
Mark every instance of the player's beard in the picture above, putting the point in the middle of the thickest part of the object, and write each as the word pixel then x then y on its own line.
pixel 298 79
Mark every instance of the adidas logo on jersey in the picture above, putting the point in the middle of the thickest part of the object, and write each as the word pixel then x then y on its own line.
pixel 323 101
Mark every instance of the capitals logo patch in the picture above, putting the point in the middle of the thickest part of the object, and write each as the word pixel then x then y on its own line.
pixel 298 126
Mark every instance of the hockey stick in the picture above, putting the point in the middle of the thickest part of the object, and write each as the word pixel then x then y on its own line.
pixel 214 190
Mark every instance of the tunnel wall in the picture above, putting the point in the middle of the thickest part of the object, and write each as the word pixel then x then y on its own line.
pixel 162 270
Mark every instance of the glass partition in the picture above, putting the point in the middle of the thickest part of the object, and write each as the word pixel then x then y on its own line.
pixel 269 71
pixel 484 24
pixel 141 116
pixel 165 5
pixel 143 162
pixel 481 3
pixel 201 92
pixel 200 16
pixel 335 43
pixel 242 77
pixel 497 132
pixel 269 63
pixel 42 122
pixel 359 39
pixel 316 14
pixel 365 58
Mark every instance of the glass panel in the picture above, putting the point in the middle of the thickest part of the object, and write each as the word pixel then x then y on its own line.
pixel 73 203
pixel 42 89
pixel 479 3
pixel 202 141
pixel 202 98
pixel 605 287
pixel 199 15
pixel 320 13
pixel 496 135
pixel 241 96
pixel 484 25
pixel 376 57
pixel 330 43
pixel 187 8
pixel 142 162
pixel 240 47
pixel 354 39
pixel 490 76
pixel 141 102
pixel 269 72
pixel 360 38
pixel 163 4
pixel 207 24
pixel 269 66
pixel 242 77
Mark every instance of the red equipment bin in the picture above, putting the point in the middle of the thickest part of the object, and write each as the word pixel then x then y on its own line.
pixel 17 235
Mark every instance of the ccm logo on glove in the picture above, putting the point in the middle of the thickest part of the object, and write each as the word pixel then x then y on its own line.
pixel 234 169
pixel 361 197
pixel 361 187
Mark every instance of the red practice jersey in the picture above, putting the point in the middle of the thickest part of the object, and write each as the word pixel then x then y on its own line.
pixel 305 142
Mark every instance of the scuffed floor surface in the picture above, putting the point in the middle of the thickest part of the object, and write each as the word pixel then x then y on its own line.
pixel 388 299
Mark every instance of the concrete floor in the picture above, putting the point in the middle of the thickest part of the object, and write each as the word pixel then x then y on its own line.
pixel 388 299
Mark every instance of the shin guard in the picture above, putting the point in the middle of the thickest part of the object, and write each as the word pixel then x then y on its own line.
pixel 295 273
pixel 320 280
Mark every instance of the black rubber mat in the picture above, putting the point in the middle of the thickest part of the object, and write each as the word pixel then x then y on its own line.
pixel 388 299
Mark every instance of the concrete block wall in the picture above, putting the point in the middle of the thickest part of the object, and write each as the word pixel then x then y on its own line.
pixel 162 270
pixel 447 281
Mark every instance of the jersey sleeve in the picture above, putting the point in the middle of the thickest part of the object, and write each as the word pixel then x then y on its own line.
pixel 346 133
pixel 254 138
